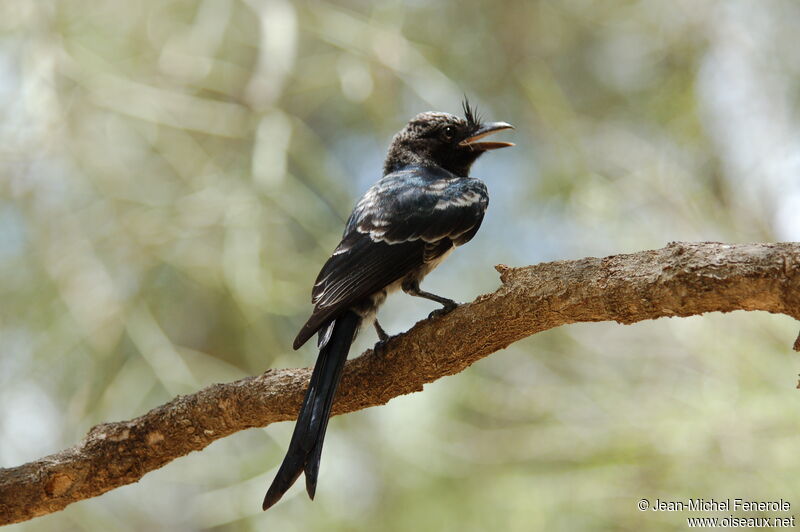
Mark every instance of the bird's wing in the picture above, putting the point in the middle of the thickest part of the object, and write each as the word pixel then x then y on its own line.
pixel 406 219
pixel 420 203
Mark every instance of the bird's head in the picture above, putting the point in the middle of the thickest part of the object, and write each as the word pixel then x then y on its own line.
pixel 444 140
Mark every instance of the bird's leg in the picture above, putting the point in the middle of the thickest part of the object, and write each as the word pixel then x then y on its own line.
pixel 381 333
pixel 383 338
pixel 412 288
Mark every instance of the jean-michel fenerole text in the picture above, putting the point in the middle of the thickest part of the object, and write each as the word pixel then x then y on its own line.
pixel 720 505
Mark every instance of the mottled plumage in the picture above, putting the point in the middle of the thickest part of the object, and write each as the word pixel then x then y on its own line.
pixel 405 224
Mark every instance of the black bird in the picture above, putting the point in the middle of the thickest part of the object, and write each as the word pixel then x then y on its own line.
pixel 402 228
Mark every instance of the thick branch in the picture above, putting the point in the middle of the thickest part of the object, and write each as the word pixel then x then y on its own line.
pixel 679 280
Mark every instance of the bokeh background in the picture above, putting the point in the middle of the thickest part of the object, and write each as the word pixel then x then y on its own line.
pixel 174 173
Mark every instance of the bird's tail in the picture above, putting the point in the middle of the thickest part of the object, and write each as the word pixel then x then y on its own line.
pixel 305 448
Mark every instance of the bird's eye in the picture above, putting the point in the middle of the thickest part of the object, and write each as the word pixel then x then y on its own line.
pixel 449 132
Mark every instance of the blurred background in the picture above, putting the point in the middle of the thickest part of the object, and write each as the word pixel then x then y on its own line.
pixel 174 173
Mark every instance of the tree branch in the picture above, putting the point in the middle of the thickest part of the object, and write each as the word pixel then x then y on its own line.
pixel 679 280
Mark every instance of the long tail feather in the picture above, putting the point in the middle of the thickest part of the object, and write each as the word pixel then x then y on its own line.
pixel 305 448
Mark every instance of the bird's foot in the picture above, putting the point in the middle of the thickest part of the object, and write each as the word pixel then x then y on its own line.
pixel 380 347
pixel 446 309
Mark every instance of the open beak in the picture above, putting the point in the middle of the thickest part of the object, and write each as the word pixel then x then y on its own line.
pixel 486 130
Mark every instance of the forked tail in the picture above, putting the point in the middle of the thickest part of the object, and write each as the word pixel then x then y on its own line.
pixel 305 448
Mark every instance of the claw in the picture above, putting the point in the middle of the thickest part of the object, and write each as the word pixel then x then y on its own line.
pixel 380 347
pixel 446 309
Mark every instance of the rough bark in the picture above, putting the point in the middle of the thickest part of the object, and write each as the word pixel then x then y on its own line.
pixel 679 280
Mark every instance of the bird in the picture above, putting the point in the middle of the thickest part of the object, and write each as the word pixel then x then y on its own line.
pixel 425 205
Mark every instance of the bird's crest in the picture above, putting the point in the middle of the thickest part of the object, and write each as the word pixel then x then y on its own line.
pixel 470 113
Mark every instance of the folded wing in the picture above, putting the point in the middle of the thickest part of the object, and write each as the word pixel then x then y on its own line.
pixel 406 219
